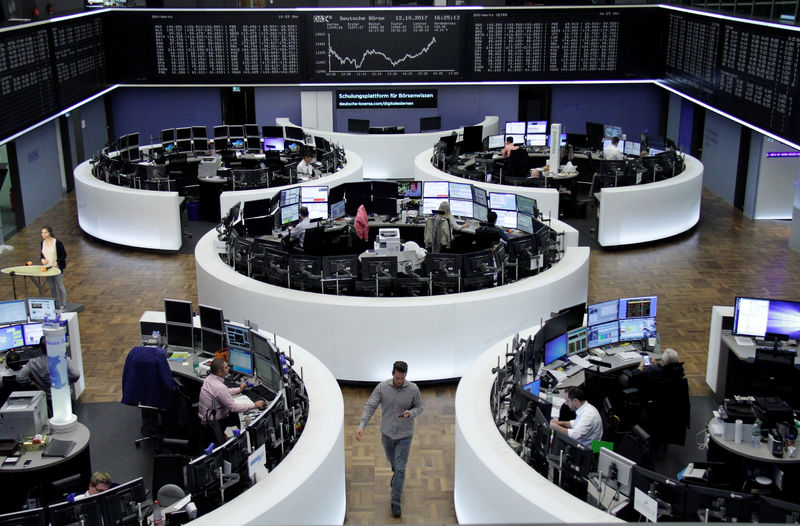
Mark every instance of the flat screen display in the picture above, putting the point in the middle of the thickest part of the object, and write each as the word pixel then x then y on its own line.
pixel 534 387
pixel 562 140
pixel 290 213
pixel 496 141
pixel 526 205
pixel 314 194
pixel 431 204
pixel 515 128
pixel 499 201
pixel 290 196
pixel 479 196
pixel 636 329
pixel 240 361
pixel 517 139
pixel 642 307
pixel 11 311
pixel 436 189
pixel 180 335
pixel 178 311
pixel 536 127
pixel 460 191
pixel 525 223
pixel 337 210
pixel 11 337
pixel 480 212
pixel 461 208
pixel 537 139
pixel 506 218
pixel 620 145
pixel 603 334
pixel 632 148
pixel 555 349
pixel 33 333
pixel 273 143
pixel 317 210
pixel 41 308
pixel 602 312
pixel 611 130
pixel 238 336
pixel 759 317
pixel 211 318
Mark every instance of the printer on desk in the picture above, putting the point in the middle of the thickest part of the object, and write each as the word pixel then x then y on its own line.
pixel 24 414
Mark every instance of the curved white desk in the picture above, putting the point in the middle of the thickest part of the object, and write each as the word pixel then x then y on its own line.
pixel 546 198
pixel 126 216
pixel 308 486
pixel 647 212
pixel 358 338
pixel 390 156
pixel 353 172
pixel 492 484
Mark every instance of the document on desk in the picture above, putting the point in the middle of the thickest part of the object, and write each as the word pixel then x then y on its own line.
pixel 579 361
pixel 744 341
pixel 560 376
pixel 629 355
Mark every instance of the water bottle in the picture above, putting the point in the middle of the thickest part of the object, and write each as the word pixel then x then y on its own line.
pixel 158 518
pixel 756 440
pixel 195 362
pixel 549 398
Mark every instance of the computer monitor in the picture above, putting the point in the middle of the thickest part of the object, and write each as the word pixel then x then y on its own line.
pixel 517 139
pixel 32 333
pixel 202 473
pixel 337 210
pixel 322 143
pixel 575 459
pixel 521 248
pixel 290 196
pixel 41 308
pixel 515 128
pixel 460 191
pixel 220 144
pixel 11 336
pixel 526 205
pixel 473 139
pixel 615 470
pixel 540 439
pixel 759 317
pixel 211 318
pixel 506 218
pixel 574 315
pixel 238 336
pixel 266 373
pixel 358 125
pixel 524 223
pixel 379 267
pixel 183 133
pixel 620 145
pixel 774 511
pixel 200 145
pixel 31 517
pixel 431 204
pixel 314 194
pixel 535 127
pixel 290 213
pixel 555 349
pixel 199 132
pixel 168 135
pixel 340 266
pixel 274 143
pixel 576 139
pixel 562 140
pixel 632 148
pixel 442 265
pixel 237 143
pixel 594 135
pixel 86 512
pixel 502 201
pixel 641 307
pixel 435 189
pixel 478 263
pixel 611 130
pixel 317 210
pixel 602 312
pixel 240 361
pixel 461 208
pixel 120 503
pixel 430 123
pixel 293 132
pixel 603 334
pixel 253 144
pixel 13 311
pixel 178 311
pixel 179 335
pixel 534 387
pixel 669 493
pixel 220 132
pixel 236 130
pixel 496 141
pixel 536 139
pixel 213 341
pixel 480 212
pixel 272 131
pixel 704 504
pixel 633 329
pixel 235 451
pixel 479 196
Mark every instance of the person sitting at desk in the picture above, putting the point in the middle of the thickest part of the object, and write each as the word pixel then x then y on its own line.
pixel 611 152
pixel 216 403
pixel 37 372
pixel 98 483
pixel 298 232
pixel 587 425
pixel 491 226
pixel 439 229
pixel 305 168
pixel 509 147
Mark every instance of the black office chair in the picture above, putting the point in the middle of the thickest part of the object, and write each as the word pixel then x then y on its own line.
pixel 314 241
pixel 610 422
pixel 486 237
pixel 637 446
pixel 518 165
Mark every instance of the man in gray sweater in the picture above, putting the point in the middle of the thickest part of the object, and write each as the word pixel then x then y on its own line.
pixel 400 403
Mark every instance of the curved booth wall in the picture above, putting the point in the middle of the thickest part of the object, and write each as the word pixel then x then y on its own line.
pixel 390 156
pixel 353 172
pixel 358 338
pixel 647 212
pixel 492 483
pixel 308 486
pixel 546 198
pixel 126 216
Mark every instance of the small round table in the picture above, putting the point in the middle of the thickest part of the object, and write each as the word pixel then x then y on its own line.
pixel 34 272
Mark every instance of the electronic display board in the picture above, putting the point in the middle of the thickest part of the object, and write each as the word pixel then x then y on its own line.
pixel 745 69
pixel 80 59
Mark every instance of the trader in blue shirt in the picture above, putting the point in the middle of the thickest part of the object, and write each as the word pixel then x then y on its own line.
pixel 400 403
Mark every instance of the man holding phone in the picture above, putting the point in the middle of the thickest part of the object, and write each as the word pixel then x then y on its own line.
pixel 400 403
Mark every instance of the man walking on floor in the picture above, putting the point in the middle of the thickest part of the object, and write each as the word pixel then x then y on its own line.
pixel 400 403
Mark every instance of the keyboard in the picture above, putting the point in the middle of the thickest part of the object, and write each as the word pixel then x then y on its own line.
pixel 259 392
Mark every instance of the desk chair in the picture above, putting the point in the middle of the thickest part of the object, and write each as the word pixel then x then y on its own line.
pixel 637 446
pixel 518 163
pixel 168 469
pixel 486 237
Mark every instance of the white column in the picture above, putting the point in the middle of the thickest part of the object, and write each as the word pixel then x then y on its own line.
pixel 54 334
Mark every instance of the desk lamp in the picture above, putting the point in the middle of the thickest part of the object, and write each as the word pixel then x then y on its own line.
pixel 54 333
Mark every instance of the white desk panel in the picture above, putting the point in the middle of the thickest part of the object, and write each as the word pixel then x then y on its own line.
pixel 492 483
pixel 308 486
pixel 390 156
pixel 126 216
pixel 353 172
pixel 358 338
pixel 647 212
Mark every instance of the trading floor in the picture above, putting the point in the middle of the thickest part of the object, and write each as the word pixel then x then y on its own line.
pixel 724 256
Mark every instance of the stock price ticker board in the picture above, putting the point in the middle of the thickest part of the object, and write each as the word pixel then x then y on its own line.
pixel 387 46
pixel 744 69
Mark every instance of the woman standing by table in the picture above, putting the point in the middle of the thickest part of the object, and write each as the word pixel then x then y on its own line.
pixel 54 255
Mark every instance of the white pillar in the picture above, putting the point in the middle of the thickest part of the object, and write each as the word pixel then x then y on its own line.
pixel 54 334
